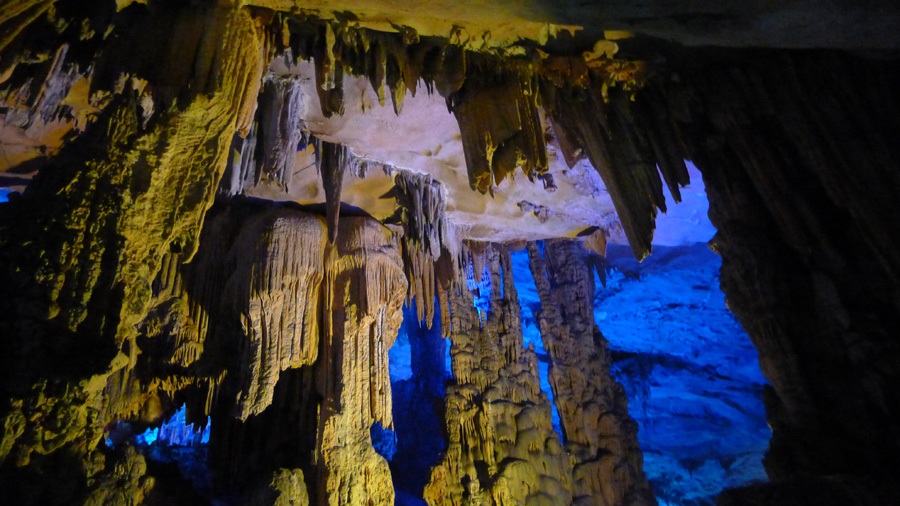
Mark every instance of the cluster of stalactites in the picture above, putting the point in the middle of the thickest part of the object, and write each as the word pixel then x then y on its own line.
pixel 501 128
pixel 496 100
pixel 267 152
pixel 427 243
pixel 625 146
pixel 261 275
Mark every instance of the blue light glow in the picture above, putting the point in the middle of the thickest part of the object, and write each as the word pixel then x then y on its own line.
pixel 690 372
pixel 531 333
pixel 176 432
pixel 419 367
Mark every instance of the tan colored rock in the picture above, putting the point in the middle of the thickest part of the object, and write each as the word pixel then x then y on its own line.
pixel 502 449
pixel 122 483
pixel 365 290
pixel 286 488
pixel 598 431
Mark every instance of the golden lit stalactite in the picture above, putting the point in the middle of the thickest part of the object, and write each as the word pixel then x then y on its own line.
pixel 275 288
pixel 421 212
pixel 500 128
pixel 605 134
pixel 332 163
pixel 364 294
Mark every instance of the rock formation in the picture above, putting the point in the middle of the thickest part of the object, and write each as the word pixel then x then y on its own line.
pixel 317 370
pixel 799 170
pixel 593 409
pixel 365 290
pixel 125 295
pixel 502 448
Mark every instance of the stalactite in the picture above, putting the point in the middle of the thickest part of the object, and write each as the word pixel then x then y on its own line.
pixel 299 395
pixel 332 160
pixel 500 129
pixel 268 152
pixel 617 149
pixel 593 409
pixel 363 308
pixel 502 448
pixel 281 129
pixel 240 170
pixel 420 210
pixel 254 289
pixel 495 99
pixel 275 290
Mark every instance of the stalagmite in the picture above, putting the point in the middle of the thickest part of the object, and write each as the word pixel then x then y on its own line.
pixel 502 448
pixel 593 409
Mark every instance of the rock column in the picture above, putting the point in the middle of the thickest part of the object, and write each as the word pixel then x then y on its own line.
pixel 502 449
pixel 593 409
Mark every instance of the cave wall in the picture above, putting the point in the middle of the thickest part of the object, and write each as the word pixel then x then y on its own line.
pixel 800 167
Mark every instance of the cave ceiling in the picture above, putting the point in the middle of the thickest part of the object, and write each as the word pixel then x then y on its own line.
pixel 417 133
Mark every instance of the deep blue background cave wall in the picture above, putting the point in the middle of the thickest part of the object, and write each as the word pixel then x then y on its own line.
pixel 419 367
pixel 691 373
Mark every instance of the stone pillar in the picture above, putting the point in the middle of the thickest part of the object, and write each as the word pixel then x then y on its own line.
pixel 502 448
pixel 593 409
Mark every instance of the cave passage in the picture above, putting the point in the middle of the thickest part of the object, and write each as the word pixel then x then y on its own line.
pixel 691 374
pixel 419 366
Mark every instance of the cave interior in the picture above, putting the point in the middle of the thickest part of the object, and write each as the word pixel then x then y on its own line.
pixel 449 253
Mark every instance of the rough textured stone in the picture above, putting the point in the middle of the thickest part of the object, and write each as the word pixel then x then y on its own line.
pixel 101 220
pixel 798 149
pixel 597 429
pixel 800 171
pixel 502 448
pixel 287 488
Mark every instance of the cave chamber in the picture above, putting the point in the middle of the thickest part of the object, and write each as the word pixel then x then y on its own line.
pixel 277 252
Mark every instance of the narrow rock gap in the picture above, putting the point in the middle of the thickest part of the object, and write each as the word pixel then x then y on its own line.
pixel 419 367
pixel 531 334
